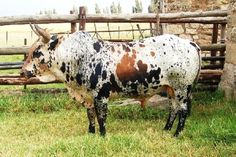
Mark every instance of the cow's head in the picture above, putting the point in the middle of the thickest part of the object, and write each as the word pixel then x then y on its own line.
pixel 39 60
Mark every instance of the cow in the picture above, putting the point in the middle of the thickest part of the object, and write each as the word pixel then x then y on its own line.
pixel 92 69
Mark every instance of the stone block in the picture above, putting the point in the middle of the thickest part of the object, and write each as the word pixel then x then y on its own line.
pixel 195 25
pixel 159 102
pixel 191 31
pixel 223 2
pixel 230 53
pixel 229 93
pixel 233 35
pixel 174 29
pixel 186 36
pixel 195 37
pixel 227 83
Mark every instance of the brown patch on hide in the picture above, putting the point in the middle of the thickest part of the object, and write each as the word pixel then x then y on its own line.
pixel 126 48
pixel 112 49
pixel 126 70
pixel 152 53
pixel 141 45
pixel 170 91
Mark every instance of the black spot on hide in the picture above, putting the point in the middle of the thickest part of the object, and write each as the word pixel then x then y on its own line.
pixel 37 53
pixel 67 77
pixel 63 67
pixel 94 76
pixel 104 75
pixel 79 79
pixel 42 61
pixel 97 46
pixel 54 42
pixel 114 84
pixel 104 92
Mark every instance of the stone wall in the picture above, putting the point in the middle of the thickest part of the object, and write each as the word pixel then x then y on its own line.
pixel 199 33
pixel 228 80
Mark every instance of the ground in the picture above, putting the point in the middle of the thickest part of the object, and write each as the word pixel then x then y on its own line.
pixel 53 125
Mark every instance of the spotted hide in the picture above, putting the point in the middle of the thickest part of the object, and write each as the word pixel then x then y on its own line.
pixel 92 69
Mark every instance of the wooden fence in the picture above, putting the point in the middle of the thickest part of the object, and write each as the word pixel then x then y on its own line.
pixel 212 64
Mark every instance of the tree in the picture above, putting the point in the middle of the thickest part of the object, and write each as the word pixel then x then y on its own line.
pixel 97 9
pixel 154 6
pixel 138 8
pixel 119 9
pixel 113 8
pixel 54 11
pixel 106 10
pixel 75 9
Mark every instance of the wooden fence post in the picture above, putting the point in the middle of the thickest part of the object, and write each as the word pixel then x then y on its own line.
pixel 73 25
pixel 82 18
pixel 25 43
pixel 214 40
pixel 108 26
pixel 132 31
pixel 6 37
pixel 140 31
pixel 222 40
pixel 118 32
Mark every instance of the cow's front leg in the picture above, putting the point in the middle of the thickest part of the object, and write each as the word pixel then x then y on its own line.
pixel 91 117
pixel 101 112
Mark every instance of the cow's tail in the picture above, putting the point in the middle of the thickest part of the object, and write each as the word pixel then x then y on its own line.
pixel 200 59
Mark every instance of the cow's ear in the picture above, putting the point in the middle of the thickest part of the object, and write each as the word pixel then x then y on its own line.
pixel 44 33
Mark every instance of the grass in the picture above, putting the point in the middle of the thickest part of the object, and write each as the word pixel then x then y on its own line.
pixel 53 125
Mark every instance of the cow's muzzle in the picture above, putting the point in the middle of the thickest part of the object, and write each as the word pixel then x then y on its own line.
pixel 27 74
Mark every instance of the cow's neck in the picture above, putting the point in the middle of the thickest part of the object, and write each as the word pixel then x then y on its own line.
pixel 69 54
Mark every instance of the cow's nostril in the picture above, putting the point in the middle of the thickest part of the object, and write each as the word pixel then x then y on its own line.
pixel 29 74
pixel 22 73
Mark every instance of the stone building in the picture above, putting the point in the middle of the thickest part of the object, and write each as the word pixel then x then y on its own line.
pixel 201 34
pixel 228 80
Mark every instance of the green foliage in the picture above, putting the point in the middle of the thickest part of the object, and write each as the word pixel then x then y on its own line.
pixel 153 7
pixel 138 8
pixel 119 8
pixel 97 9
pixel 52 125
pixel 113 8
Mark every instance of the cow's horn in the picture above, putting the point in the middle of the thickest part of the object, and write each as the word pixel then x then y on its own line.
pixel 33 29
pixel 42 32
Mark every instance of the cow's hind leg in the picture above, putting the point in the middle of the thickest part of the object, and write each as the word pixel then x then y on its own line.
pixel 185 107
pixel 172 116
pixel 173 108
pixel 101 112
pixel 91 117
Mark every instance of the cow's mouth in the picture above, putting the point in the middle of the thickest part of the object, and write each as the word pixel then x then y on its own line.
pixel 27 74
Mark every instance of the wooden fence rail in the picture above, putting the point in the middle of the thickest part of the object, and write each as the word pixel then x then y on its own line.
pixel 218 16
pixel 24 50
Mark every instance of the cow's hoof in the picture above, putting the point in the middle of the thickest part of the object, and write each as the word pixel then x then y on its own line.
pixel 167 128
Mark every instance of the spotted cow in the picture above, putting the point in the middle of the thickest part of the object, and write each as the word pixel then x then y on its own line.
pixel 92 69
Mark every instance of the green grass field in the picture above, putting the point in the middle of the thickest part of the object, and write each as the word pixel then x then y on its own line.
pixel 53 125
